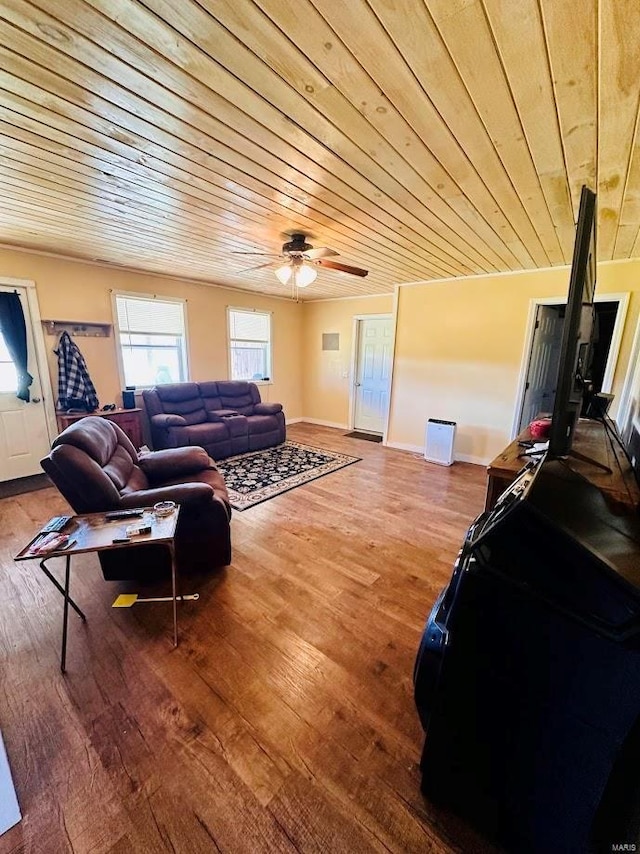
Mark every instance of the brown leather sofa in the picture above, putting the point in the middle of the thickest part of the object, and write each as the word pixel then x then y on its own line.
pixel 96 468
pixel 225 417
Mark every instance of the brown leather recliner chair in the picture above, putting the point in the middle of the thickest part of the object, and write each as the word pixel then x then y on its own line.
pixel 96 468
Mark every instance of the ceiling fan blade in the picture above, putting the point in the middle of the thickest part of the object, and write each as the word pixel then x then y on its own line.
pixel 259 267
pixel 342 268
pixel 320 252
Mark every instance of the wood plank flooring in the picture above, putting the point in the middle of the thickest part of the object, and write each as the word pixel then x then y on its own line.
pixel 284 721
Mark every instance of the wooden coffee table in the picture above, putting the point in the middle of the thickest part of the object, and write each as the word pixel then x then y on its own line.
pixel 92 532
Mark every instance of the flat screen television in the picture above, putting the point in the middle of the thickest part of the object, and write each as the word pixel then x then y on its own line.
pixel 577 331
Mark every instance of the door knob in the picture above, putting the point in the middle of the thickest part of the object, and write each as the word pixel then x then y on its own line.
pixel 356 384
pixel 35 400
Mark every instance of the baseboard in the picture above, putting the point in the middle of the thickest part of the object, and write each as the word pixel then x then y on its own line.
pixel 471 458
pixel 403 446
pixel 419 449
pixel 322 423
pixel 293 421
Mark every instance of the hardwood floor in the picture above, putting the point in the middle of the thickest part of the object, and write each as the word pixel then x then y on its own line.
pixel 284 721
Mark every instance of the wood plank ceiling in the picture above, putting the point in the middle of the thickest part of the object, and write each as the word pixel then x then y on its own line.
pixel 420 139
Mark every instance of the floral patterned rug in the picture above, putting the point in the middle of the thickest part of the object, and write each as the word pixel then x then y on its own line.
pixel 259 475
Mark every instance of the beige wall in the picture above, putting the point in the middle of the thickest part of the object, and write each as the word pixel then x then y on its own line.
pixel 77 291
pixel 326 380
pixel 459 344
pixel 459 348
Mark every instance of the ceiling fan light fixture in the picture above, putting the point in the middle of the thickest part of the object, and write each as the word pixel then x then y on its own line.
pixel 304 275
pixel 284 274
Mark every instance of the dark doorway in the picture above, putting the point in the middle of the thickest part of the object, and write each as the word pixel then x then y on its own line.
pixel 542 370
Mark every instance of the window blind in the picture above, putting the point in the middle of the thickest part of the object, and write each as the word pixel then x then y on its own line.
pixel 249 325
pixel 150 316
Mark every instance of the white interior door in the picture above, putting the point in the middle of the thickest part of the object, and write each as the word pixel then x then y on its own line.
pixel 373 372
pixel 24 438
pixel 542 375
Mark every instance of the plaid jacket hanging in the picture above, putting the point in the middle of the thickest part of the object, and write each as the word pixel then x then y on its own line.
pixel 75 389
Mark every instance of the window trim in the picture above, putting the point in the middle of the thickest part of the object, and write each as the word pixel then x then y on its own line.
pixel 247 310
pixel 118 340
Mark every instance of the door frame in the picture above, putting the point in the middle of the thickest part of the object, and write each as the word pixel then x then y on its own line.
pixel 624 407
pixel 355 345
pixel 614 350
pixel 40 350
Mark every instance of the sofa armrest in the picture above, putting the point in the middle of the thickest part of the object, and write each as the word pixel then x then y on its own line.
pixel 220 414
pixel 173 462
pixel 168 420
pixel 188 494
pixel 267 408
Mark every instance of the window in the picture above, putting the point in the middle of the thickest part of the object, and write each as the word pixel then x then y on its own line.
pixel 152 340
pixel 249 344
pixel 8 375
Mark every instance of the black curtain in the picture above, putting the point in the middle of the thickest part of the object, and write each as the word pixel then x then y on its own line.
pixel 14 332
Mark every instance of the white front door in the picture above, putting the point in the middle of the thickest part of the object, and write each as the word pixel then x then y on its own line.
pixel 373 372
pixel 24 438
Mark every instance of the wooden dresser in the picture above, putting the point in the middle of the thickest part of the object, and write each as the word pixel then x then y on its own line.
pixel 129 421
pixel 590 439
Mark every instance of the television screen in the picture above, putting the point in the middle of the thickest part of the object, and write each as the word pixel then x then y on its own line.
pixel 577 330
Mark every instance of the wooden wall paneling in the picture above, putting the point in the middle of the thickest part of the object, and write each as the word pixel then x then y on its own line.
pixel 350 98
pixel 617 115
pixel 140 107
pixel 145 139
pixel 571 31
pixel 465 31
pixel 120 148
pixel 520 42
pixel 107 62
pixel 628 237
pixel 234 60
pixel 63 226
pixel 419 138
pixel 442 95
pixel 207 73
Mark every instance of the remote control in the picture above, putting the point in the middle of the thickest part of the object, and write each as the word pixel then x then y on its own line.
pixel 55 524
pixel 123 514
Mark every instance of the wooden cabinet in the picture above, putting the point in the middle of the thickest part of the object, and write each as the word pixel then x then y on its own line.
pixel 129 421
pixel 592 440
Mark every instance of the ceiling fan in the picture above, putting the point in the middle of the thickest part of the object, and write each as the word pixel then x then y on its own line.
pixel 300 260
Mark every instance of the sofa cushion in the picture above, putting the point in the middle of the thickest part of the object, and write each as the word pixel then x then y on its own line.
pixel 262 424
pixel 237 425
pixel 210 396
pixel 182 399
pixel 207 434
pixel 237 395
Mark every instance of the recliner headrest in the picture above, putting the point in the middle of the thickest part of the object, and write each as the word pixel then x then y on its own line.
pixel 96 436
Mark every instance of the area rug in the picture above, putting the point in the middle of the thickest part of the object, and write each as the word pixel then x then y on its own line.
pixel 259 475
pixel 368 437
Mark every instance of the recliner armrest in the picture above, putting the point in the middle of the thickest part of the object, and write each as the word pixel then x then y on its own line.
pixel 168 420
pixel 173 462
pixel 267 408
pixel 184 493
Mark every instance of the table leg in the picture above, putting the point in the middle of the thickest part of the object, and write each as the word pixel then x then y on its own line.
pixel 65 614
pixel 172 551
pixel 59 587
